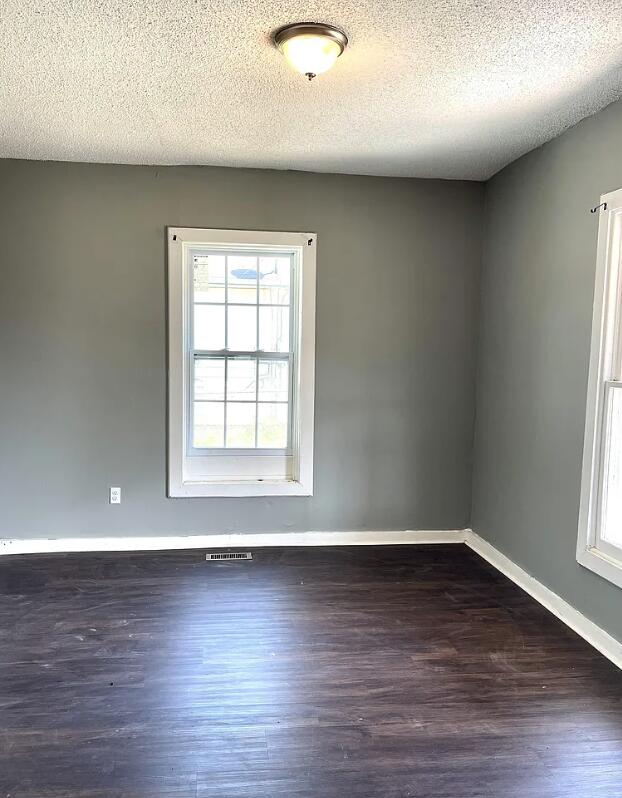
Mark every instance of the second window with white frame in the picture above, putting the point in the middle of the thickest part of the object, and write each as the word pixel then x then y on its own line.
pixel 241 349
pixel 600 516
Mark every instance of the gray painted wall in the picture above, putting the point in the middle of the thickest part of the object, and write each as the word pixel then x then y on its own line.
pixel 537 293
pixel 82 346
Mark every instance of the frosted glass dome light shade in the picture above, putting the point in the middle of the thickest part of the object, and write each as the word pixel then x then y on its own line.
pixel 310 47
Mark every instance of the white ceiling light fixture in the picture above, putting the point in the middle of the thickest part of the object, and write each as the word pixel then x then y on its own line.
pixel 311 47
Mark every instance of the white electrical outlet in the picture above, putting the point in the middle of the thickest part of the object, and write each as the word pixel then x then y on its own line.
pixel 115 495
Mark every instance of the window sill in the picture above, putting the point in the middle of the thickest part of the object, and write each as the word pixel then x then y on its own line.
pixel 239 489
pixel 601 564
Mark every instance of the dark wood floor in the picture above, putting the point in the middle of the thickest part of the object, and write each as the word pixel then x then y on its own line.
pixel 306 673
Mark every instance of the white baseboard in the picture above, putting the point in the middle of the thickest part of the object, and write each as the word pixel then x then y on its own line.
pixel 589 631
pixel 233 540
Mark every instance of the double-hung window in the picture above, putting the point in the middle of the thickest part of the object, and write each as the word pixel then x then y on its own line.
pixel 241 362
pixel 600 516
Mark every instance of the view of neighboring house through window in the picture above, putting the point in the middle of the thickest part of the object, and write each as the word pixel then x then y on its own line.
pixel 243 349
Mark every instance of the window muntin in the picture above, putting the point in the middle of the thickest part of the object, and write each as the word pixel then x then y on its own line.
pixel 243 348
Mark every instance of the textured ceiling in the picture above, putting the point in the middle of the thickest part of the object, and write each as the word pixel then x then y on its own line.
pixel 430 88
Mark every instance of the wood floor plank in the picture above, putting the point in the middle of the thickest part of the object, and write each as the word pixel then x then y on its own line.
pixel 306 672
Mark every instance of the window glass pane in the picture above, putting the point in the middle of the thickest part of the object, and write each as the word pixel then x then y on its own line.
pixel 611 527
pixel 273 381
pixel 242 332
pixel 241 382
pixel 242 279
pixel 240 425
pixel 208 424
pixel 272 426
pixel 209 378
pixel 209 327
pixel 274 280
pixel 274 329
pixel 209 278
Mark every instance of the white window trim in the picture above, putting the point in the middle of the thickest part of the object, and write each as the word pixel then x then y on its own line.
pixel 179 484
pixel 606 348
